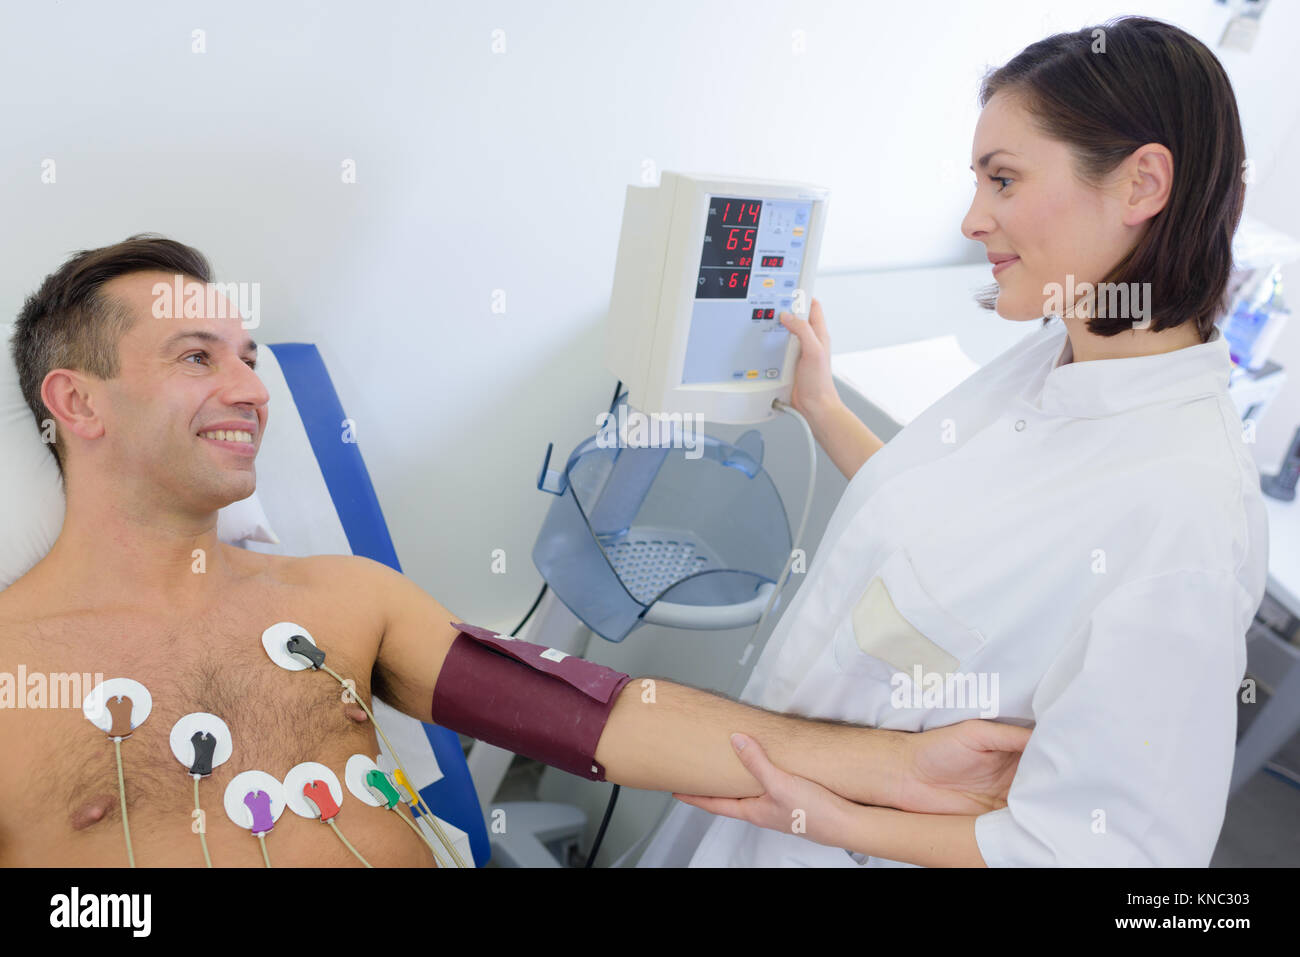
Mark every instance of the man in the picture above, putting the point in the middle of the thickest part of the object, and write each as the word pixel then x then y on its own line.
pixel 145 405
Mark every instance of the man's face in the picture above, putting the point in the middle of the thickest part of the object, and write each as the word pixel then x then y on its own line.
pixel 179 380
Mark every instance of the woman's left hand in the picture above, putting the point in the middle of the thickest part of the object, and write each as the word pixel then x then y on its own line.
pixel 789 803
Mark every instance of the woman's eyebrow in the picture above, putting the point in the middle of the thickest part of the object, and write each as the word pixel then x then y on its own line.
pixel 984 160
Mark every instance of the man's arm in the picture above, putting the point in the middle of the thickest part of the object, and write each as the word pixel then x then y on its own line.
pixel 665 736
pixel 661 736
pixel 417 636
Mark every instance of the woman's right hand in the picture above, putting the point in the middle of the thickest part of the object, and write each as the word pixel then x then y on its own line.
pixel 814 389
pixel 963 768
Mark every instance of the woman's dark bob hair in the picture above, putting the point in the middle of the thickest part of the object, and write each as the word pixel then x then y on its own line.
pixel 1107 90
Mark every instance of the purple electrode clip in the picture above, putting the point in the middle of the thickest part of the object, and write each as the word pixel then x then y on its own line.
pixel 259 805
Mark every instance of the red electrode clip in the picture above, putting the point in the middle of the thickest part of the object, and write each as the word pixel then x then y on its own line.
pixel 318 793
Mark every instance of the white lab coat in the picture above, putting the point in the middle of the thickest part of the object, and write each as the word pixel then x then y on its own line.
pixel 1092 536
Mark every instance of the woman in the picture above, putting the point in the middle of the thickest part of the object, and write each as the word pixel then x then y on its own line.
pixel 1074 535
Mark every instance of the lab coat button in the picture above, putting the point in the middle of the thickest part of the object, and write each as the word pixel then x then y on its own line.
pixel 1020 425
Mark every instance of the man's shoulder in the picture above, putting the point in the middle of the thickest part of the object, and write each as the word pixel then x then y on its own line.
pixel 352 592
pixel 10 613
pixel 362 582
pixel 20 601
pixel 350 577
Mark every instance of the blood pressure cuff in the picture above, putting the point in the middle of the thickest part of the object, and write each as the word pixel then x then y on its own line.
pixel 529 699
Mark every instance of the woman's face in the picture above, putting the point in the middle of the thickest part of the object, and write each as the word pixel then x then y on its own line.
pixel 1029 205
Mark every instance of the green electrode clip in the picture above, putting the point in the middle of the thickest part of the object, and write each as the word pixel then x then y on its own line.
pixel 378 781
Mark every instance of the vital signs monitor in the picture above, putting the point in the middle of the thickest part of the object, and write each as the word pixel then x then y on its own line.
pixel 705 266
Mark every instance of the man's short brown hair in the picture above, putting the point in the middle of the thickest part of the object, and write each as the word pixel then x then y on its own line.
pixel 69 323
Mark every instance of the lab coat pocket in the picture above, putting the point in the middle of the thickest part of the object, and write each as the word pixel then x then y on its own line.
pixel 894 622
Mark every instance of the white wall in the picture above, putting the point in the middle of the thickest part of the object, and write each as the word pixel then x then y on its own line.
pixel 479 171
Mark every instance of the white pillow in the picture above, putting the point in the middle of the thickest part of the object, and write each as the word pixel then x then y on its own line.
pixel 31 491
pixel 245 521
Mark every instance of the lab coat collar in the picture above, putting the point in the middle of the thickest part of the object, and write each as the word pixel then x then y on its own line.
pixel 1102 387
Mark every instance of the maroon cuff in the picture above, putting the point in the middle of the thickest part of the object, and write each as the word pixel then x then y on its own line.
pixel 527 698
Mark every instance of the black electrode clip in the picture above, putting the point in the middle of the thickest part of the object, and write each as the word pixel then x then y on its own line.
pixel 298 645
pixel 204 745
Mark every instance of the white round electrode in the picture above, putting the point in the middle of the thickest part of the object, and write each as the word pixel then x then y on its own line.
pixel 354 775
pixel 303 774
pixel 240 785
pixel 274 639
pixel 200 721
pixel 95 706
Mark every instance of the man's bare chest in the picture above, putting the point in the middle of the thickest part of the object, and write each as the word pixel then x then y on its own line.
pixel 62 767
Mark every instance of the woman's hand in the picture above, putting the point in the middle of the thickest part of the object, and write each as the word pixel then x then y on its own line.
pixel 964 768
pixel 843 436
pixel 788 803
pixel 814 390
pixel 795 805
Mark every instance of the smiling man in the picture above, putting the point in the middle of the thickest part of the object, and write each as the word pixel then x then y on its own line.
pixel 159 421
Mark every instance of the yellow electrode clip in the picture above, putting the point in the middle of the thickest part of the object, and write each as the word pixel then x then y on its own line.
pixel 402 782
